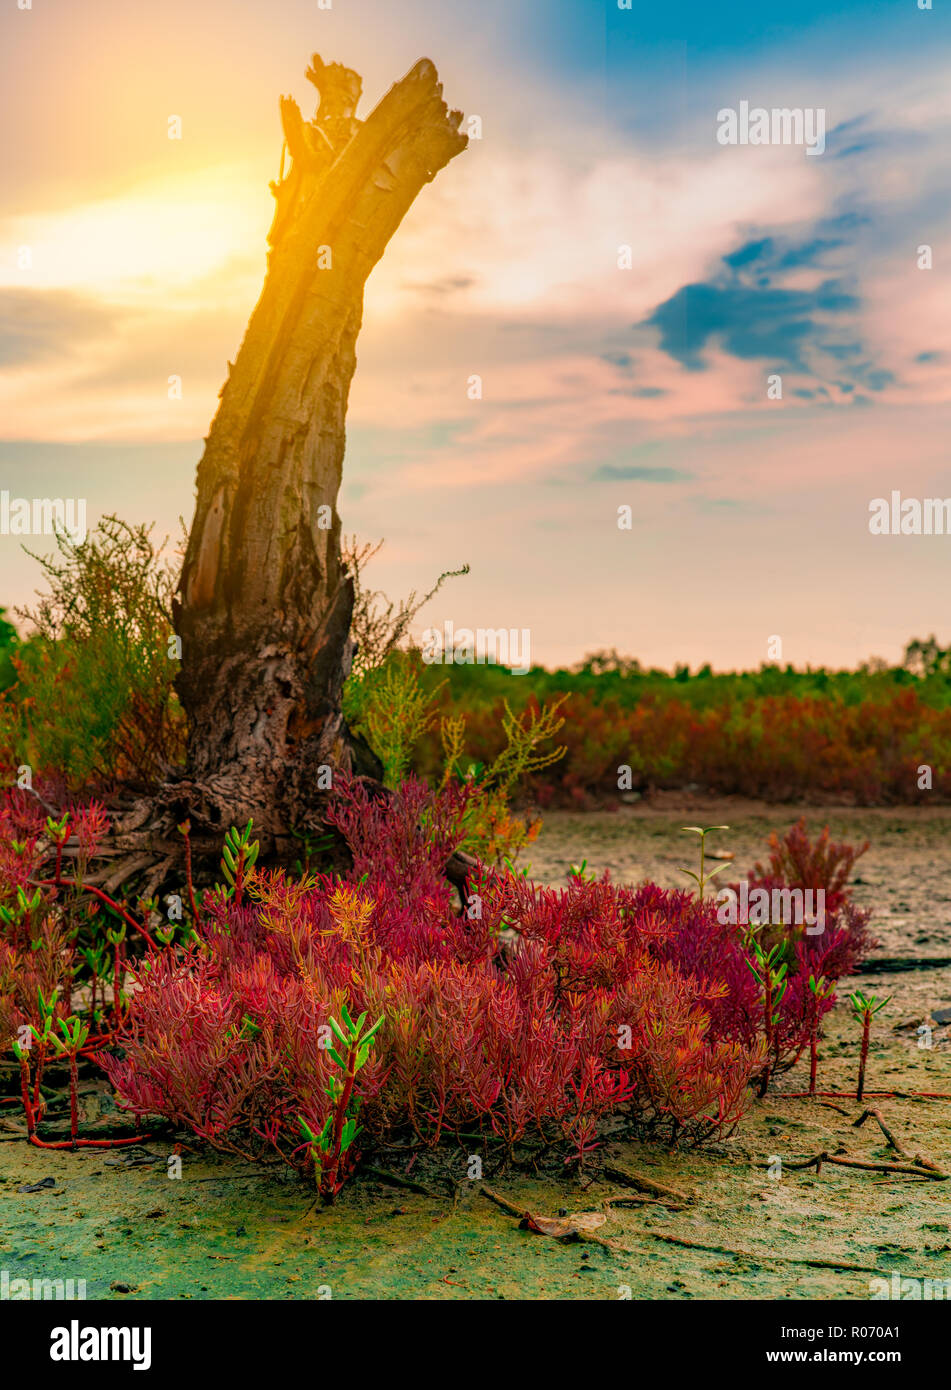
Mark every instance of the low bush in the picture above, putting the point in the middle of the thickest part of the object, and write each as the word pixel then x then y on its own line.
pixel 890 750
pixel 93 703
pixel 534 1017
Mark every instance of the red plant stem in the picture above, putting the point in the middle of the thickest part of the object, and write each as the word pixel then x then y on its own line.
pixel 864 1057
pixel 25 1093
pixel 116 993
pixel 333 1158
pixel 40 1059
pixel 768 998
pixel 73 1099
pixel 88 1143
pixel 814 1048
pixel 97 893
pixel 69 978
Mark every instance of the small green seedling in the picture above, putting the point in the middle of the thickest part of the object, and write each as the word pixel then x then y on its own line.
pixel 579 872
pixel 771 977
pixel 703 878
pixel 820 989
pixel 329 1148
pixel 238 858
pixel 865 1008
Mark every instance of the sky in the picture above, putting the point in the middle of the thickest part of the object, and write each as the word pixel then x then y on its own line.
pixel 624 284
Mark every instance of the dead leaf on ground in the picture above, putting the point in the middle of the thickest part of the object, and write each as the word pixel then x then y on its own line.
pixel 566 1228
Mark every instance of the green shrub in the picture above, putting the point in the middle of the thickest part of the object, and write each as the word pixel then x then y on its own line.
pixel 93 698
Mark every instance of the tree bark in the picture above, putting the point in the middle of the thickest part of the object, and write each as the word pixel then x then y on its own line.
pixel 264 605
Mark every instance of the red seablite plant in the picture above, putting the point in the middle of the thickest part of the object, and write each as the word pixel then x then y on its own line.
pixel 865 1009
pixel 530 1020
pixel 820 989
pixel 41 921
pixel 770 746
pixel 533 1018
pixel 798 862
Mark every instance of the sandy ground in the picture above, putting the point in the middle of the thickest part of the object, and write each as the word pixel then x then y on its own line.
pixel 225 1230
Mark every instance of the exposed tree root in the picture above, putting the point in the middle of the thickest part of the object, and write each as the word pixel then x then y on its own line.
pixel 917 1170
pixel 397 1180
pixel 146 850
pixel 828 1105
pixel 637 1180
pixel 761 1258
pixel 902 1153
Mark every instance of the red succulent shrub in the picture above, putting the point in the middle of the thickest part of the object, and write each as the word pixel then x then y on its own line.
pixel 774 746
pixel 48 925
pixel 709 948
pixel 833 945
pixel 798 862
pixel 533 1017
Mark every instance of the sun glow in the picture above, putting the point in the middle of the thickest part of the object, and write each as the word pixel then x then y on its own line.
pixel 165 236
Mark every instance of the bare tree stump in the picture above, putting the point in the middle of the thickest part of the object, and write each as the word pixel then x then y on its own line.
pixel 264 604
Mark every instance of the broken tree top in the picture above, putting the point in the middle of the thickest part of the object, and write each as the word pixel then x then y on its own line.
pixel 314 145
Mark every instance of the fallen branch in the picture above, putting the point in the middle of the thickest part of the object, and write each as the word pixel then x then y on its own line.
pixel 395 1180
pixel 876 1115
pixel 632 1199
pixel 503 1202
pixel 759 1258
pixel 913 1171
pixel 643 1184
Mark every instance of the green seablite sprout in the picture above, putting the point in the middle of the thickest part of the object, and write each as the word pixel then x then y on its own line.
pixel 703 878
pixel 349 1053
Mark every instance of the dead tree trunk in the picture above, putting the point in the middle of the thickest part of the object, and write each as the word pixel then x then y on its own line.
pixel 263 607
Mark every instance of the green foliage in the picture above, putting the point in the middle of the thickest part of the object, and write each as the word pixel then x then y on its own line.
pixel 492 831
pixel 392 709
pixel 329 1148
pixel 606 677
pixel 521 756
pixel 702 878
pixel 771 975
pixel 866 1006
pixel 238 857
pixel 775 733
pixel 924 657
pixel 821 988
pixel 75 1032
pixel 9 644
pixel 94 698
